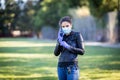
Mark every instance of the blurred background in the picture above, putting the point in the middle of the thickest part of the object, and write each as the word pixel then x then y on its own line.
pixel 97 20
pixel 28 33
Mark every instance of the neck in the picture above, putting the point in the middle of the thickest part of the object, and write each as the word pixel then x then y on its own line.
pixel 67 34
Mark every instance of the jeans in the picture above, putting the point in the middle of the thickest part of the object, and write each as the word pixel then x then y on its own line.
pixel 68 73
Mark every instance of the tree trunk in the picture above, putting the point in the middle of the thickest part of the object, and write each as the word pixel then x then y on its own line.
pixel 38 35
pixel 112 33
pixel 118 24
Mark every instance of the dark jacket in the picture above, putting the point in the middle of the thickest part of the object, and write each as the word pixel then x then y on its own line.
pixel 75 40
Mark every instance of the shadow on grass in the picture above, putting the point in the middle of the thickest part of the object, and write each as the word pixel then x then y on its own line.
pixel 43 49
pixel 111 63
pixel 34 62
pixel 100 57
pixel 95 57
pixel 31 40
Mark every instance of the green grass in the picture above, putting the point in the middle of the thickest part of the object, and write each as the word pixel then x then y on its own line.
pixel 29 59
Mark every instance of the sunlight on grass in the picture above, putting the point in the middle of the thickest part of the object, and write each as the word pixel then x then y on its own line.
pixel 15 55
pixel 29 76
pixel 98 74
pixel 24 44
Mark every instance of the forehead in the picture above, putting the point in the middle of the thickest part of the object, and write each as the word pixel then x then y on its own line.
pixel 65 23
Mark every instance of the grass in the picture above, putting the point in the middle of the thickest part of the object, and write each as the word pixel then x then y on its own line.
pixel 30 59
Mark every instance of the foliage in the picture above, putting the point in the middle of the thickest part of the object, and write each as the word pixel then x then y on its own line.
pixel 100 7
pixel 13 18
pixel 7 17
pixel 46 12
pixel 77 3
pixel 50 13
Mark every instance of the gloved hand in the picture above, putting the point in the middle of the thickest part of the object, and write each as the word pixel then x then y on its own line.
pixel 60 40
pixel 60 35
pixel 65 45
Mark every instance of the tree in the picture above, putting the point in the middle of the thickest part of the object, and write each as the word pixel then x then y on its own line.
pixel 101 7
pixel 24 19
pixel 16 17
pixel 7 16
pixel 49 13
pixel 118 23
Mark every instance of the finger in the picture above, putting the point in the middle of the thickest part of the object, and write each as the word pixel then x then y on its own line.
pixel 60 33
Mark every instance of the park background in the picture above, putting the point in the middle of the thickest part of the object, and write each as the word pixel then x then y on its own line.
pixel 28 34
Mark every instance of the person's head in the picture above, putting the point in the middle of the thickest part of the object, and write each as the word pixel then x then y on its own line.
pixel 66 24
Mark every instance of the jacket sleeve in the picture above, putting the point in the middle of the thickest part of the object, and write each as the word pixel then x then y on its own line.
pixel 80 46
pixel 57 50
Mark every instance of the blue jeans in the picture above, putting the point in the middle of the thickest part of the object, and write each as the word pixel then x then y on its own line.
pixel 68 73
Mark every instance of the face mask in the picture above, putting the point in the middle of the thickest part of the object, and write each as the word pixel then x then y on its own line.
pixel 66 30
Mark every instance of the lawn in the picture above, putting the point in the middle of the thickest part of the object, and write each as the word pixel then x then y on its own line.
pixel 32 59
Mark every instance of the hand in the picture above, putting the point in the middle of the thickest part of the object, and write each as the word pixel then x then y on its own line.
pixel 60 35
pixel 65 45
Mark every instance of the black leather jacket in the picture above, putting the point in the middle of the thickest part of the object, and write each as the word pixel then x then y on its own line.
pixel 75 40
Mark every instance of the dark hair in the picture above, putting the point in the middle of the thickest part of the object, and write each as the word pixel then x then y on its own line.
pixel 65 18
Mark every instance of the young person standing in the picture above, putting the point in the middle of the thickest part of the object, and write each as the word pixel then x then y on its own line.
pixel 68 47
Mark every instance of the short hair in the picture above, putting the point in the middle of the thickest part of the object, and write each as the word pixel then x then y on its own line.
pixel 65 18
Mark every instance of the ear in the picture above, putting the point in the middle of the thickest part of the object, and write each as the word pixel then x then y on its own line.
pixel 71 26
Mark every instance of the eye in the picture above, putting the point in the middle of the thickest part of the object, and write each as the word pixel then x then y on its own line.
pixel 67 25
pixel 63 26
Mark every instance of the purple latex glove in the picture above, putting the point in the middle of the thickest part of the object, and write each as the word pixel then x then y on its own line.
pixel 60 35
pixel 60 39
pixel 65 45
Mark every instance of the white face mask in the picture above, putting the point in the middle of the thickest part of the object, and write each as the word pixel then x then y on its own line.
pixel 66 30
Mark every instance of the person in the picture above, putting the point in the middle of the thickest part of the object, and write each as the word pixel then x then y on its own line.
pixel 69 46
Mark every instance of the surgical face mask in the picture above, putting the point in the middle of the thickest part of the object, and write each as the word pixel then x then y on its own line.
pixel 66 30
